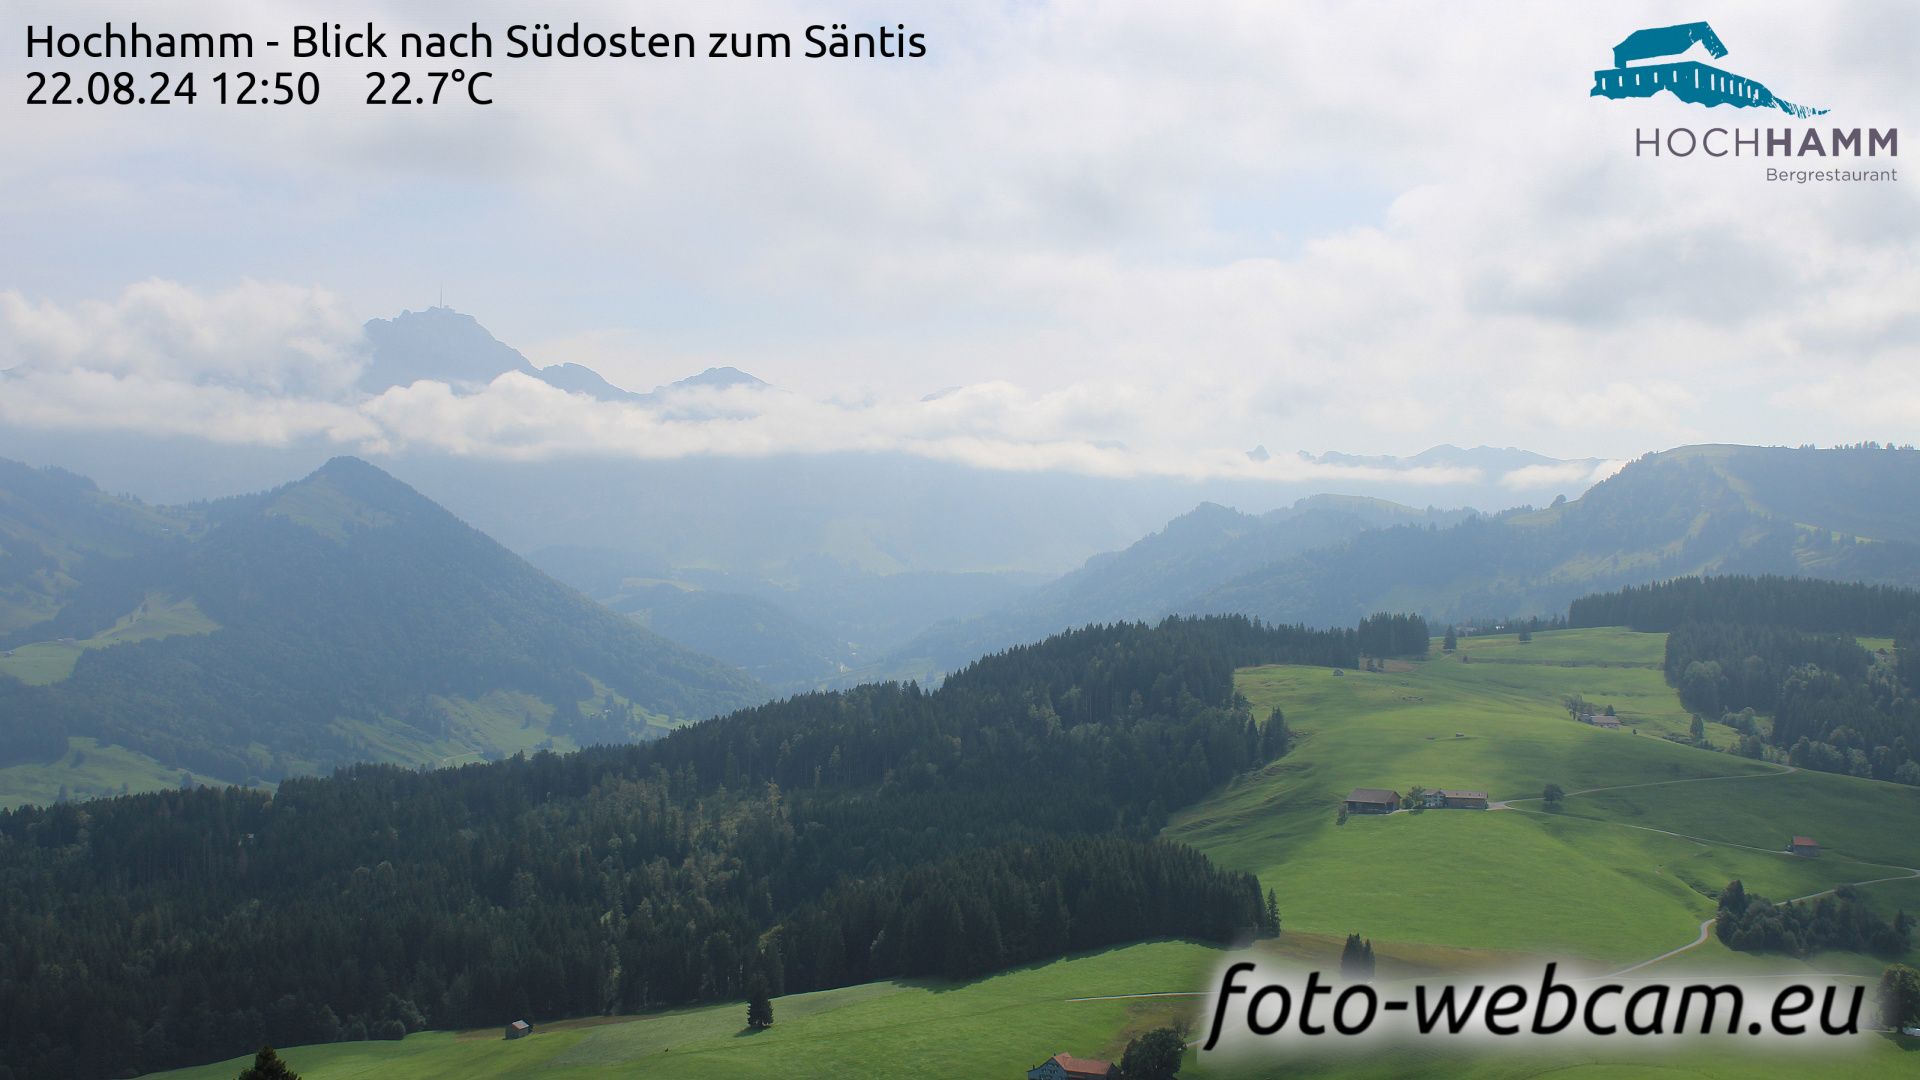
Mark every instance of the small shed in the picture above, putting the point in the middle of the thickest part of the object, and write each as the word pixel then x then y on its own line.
pixel 1068 1067
pixel 519 1029
pixel 1367 800
pixel 1805 845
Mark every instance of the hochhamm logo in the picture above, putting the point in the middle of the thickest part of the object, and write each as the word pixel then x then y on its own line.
pixel 1656 60
pixel 1688 80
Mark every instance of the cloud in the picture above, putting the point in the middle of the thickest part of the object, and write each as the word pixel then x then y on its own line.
pixel 273 365
pixel 265 338
pixel 1562 476
pixel 1183 229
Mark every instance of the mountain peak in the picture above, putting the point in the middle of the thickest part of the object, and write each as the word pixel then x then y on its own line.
pixel 718 378
pixel 440 344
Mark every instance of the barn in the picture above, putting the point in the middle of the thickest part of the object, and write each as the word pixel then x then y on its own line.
pixel 1367 800
pixel 1457 799
pixel 519 1029
pixel 1805 845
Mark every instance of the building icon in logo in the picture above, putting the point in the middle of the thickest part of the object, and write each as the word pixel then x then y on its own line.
pixel 1688 80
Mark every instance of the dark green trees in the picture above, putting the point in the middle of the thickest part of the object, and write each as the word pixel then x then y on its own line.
pixel 759 1004
pixel 1356 958
pixel 1840 920
pixel 1154 1056
pixel 1274 737
pixel 1898 997
pixel 1788 647
pixel 1552 794
pixel 1387 634
pixel 267 1066
pixel 1451 642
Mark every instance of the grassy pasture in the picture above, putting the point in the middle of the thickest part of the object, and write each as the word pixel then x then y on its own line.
pixel 158 616
pixel 1566 883
pixel 89 769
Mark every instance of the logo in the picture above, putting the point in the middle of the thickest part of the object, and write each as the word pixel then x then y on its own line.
pixel 1689 80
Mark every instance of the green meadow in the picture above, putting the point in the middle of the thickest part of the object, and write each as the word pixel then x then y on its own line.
pixel 158 616
pixel 1611 878
pixel 1573 882
pixel 1002 1025
pixel 89 769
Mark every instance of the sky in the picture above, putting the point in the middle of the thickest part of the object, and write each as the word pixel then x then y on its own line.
pixel 1103 237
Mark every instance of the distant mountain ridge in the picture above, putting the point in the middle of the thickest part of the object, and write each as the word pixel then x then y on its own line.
pixel 339 618
pixel 1848 514
pixel 1843 514
pixel 452 347
pixel 1197 550
pixel 1495 461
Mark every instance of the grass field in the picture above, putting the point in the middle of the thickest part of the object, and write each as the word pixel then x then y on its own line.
pixel 157 616
pixel 1595 883
pixel 88 769
pixel 997 1026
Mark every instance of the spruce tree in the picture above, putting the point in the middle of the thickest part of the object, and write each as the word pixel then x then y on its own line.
pixel 759 1005
pixel 267 1066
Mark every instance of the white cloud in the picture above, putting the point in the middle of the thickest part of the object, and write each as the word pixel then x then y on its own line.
pixel 1184 229
pixel 272 365
pixel 274 339
pixel 1576 475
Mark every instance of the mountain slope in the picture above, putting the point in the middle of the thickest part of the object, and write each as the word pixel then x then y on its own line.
pixel 752 633
pixel 1842 514
pixel 1196 551
pixel 53 524
pixel 355 620
pixel 450 346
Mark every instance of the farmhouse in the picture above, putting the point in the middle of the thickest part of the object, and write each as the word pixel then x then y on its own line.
pixel 1600 720
pixel 519 1029
pixel 1368 800
pixel 1455 799
pixel 1805 845
pixel 1068 1067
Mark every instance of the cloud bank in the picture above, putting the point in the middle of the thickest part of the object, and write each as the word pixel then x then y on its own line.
pixel 275 365
pixel 1142 237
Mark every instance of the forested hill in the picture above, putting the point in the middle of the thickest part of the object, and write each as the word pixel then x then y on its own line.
pixel 1843 514
pixel 1770 600
pixel 831 839
pixel 339 618
pixel 1194 552
pixel 1780 660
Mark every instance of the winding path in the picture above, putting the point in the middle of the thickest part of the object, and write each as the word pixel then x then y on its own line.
pixel 1706 928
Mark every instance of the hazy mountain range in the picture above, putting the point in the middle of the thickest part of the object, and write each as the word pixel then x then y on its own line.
pixel 1850 514
pixel 346 617
pixel 336 619
pixel 801 568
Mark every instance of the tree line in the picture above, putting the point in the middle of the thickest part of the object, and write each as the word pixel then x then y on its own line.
pixel 1804 604
pixel 1786 647
pixel 1389 634
pixel 1840 920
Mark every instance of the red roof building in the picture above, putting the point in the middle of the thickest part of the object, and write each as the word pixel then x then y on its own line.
pixel 1068 1067
pixel 1804 845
